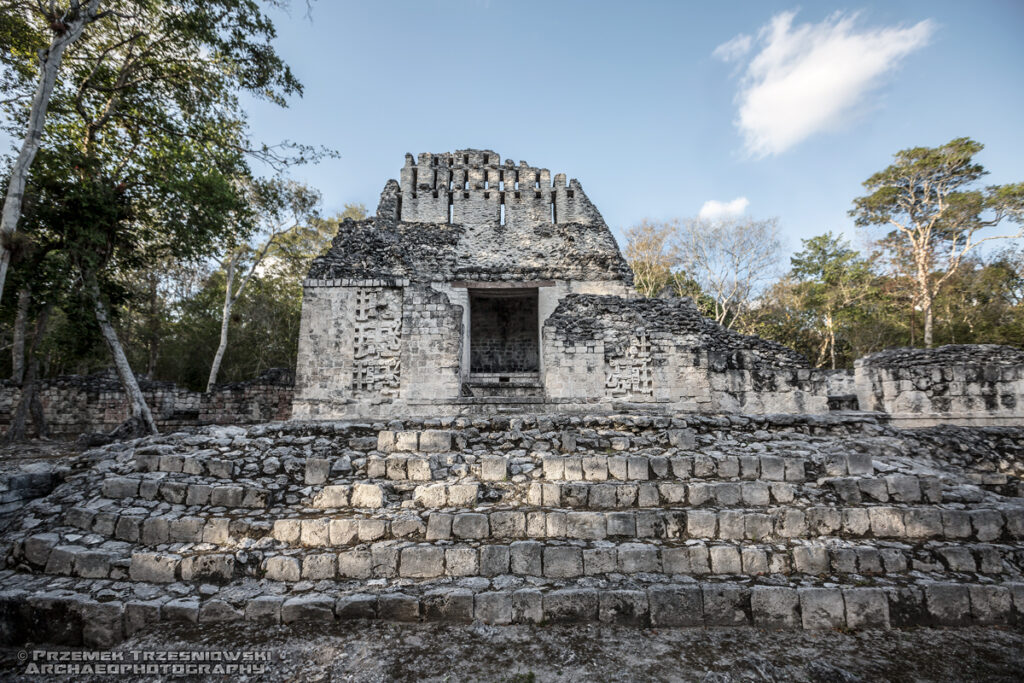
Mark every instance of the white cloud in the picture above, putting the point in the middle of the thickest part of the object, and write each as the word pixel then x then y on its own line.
pixel 812 77
pixel 734 49
pixel 714 210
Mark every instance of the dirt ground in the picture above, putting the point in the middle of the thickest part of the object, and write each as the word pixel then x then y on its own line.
pixel 365 651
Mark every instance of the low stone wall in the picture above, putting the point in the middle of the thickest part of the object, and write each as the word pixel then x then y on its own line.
pixel 955 384
pixel 75 405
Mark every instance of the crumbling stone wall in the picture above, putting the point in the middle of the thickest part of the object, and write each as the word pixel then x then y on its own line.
pixel 664 351
pixel 74 405
pixel 961 384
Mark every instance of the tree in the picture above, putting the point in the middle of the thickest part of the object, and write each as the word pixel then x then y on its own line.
pixel 281 207
pixel 649 254
pixel 66 25
pixel 831 278
pixel 730 260
pixel 147 124
pixel 926 197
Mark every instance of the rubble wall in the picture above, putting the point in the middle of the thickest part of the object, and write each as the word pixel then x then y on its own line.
pixel 76 405
pixel 662 351
pixel 955 384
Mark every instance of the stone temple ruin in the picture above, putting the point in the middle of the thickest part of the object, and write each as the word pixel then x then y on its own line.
pixel 489 426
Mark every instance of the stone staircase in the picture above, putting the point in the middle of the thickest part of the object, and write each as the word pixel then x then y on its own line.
pixel 832 521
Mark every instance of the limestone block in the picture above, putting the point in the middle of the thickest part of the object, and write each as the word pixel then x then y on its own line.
pixel 398 607
pixel 922 523
pixel 602 496
pixel 406 441
pixel 562 562
pixel 470 525
pixel 595 468
pixel 628 607
pixel 525 558
pixel 637 468
pixel 822 608
pixel 38 547
pixel 334 496
pixel 140 614
pixel 461 561
pixel 508 524
pixel 367 496
pixel 282 568
pixel 439 526
pixel 638 557
pixel 725 559
pixel 572 469
pixel 527 606
pixel 731 524
pixel 493 468
pixel 434 441
pixel 571 605
pixel 701 524
pixel 773 468
pixel 618 468
pixel 494 560
pixel 599 561
pixel 987 524
pixel 886 522
pixel 153 567
pixel 431 496
pixel 725 604
pixel 355 564
pixel 186 529
pixel 493 608
pixel 903 488
pixel 218 611
pixel 418 469
pixel 463 495
pixel 303 608
pixel 314 533
pixel 448 604
pixel 755 493
pixel 319 566
pixel 287 530
pixel 811 559
pixel 866 608
pixel 948 604
pixel 755 561
pixel 155 530
pixel 211 568
pixel 226 496
pixel 384 558
pixel 775 607
pixel 94 564
pixel 395 468
pixel 341 531
pixel 264 609
pixel 856 521
pixel 586 525
pixel 371 529
pixel 621 524
pixel 421 562
pixel 858 464
pixel 386 441
pixel 990 604
pixel 956 524
pixel 356 606
pixel 682 467
pixel 376 468
pixel 120 487
pixel 317 470
pixel 217 530
pixel 182 609
pixel 554 467
pixel 675 605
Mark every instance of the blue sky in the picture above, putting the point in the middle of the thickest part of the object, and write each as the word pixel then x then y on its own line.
pixel 656 107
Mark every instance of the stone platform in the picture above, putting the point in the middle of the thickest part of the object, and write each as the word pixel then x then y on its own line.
pixel 808 522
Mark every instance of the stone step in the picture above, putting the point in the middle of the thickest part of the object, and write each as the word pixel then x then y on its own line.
pixel 31 611
pixel 320 559
pixel 909 523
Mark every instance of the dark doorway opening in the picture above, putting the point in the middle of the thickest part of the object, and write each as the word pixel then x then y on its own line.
pixel 503 331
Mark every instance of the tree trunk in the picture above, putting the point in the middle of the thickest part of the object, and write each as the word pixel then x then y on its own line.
pixel 229 301
pixel 137 408
pixel 29 400
pixel 18 343
pixel 928 322
pixel 49 62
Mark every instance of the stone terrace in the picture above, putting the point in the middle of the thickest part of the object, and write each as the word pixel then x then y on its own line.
pixel 832 521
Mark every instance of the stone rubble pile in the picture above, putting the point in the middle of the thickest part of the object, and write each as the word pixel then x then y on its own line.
pixel 830 521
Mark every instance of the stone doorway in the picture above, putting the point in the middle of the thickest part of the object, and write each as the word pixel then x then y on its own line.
pixel 504 341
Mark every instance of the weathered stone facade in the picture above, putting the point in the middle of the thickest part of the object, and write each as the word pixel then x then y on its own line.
pixel 74 405
pixel 961 384
pixel 495 287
